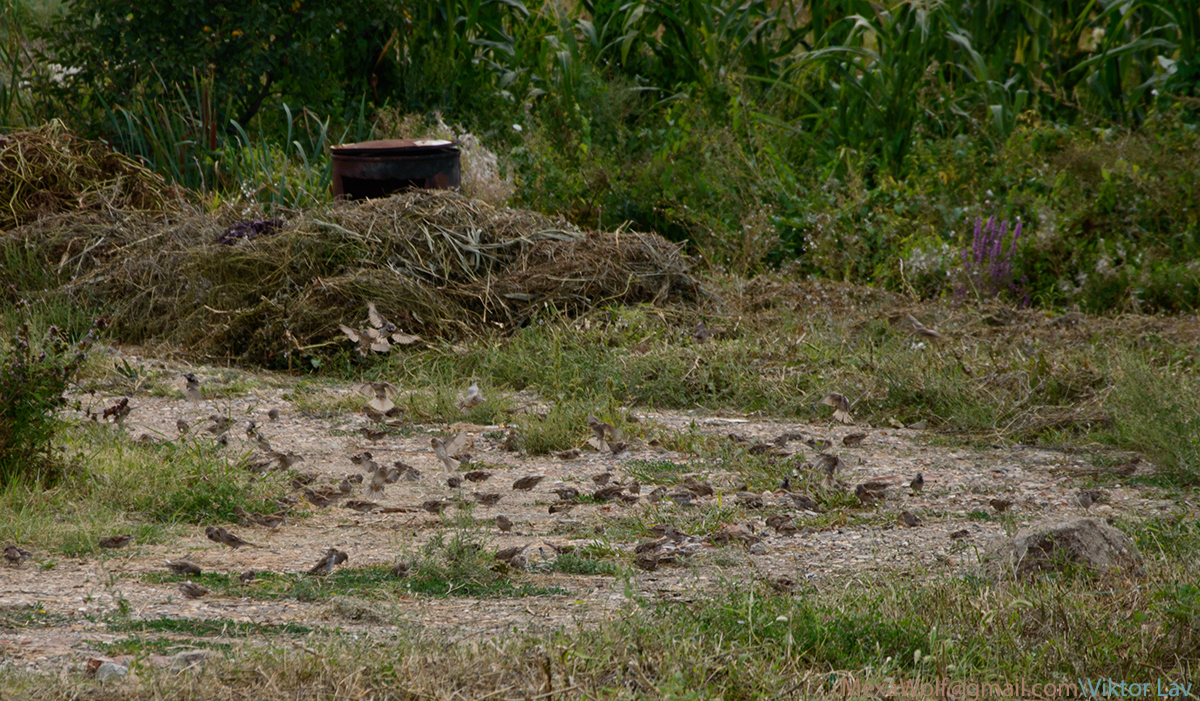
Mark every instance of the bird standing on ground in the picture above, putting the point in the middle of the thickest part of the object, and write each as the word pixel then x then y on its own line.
pixel 184 567
pixel 181 426
pixel 504 523
pixel 116 541
pixel 219 535
pixel 15 554
pixel 918 483
pixel 332 558
pixel 192 390
pixel 192 590
pixel 910 519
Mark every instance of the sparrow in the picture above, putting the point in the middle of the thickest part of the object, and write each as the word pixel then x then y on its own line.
pixel 918 483
pixel 372 434
pixel 529 482
pixel 478 475
pixel 473 398
pixel 569 454
pixel 220 425
pixel 504 523
pixel 910 519
pixel 959 535
pixel 608 493
pixel 332 558
pixel 192 590
pixel 273 414
pixel 381 392
pixel 358 505
pixel 490 499
pixel 247 576
pixel 657 495
pixel 223 440
pixel 434 506
pixel 16 554
pixel 853 439
pixel 602 430
pixel 828 463
pixel 1000 505
pixel 635 487
pixel 681 497
pixel 400 570
pixel 695 486
pixel 219 535
pixel 192 391
pixel 116 541
pixel 119 412
pixel 268 520
pixel 321 497
pixel 181 426
pixel 562 507
pixel 454 481
pixel 602 478
pixel 618 447
pixel 285 460
pixel 361 458
pixel 870 493
pixel 354 478
pixel 923 330
pixel 262 443
pixel 750 500
pixel 184 567
pixel 804 501
pixel 841 406
pixel 378 480
pixel 509 553
pixel 1087 497
pixel 566 493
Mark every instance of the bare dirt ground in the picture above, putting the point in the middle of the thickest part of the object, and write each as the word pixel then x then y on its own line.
pixel 959 482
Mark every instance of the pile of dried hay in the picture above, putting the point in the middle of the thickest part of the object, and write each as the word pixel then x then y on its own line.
pixel 434 263
pixel 47 170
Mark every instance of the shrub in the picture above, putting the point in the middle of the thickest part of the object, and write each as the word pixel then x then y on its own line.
pixel 32 383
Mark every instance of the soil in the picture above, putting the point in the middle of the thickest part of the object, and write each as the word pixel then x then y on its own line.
pixel 959 482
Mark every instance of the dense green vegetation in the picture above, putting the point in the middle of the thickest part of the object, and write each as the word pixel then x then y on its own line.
pixel 862 140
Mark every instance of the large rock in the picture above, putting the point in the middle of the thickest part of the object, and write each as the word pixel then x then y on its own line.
pixel 1061 546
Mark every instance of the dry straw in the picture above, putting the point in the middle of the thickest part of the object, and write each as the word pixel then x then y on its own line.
pixel 434 262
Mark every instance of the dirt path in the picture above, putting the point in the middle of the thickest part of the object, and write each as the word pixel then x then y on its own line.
pixel 71 599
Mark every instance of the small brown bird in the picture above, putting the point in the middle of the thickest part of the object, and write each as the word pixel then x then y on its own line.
pixel 454 481
pixel 1000 505
pixel 750 500
pixel 695 486
pixel 681 497
pixel 1087 497
pixel 841 406
pixel 478 475
pixel 490 499
pixel 608 493
pixel 959 535
pixel 273 414
pixel 382 392
pixel 181 426
pixel 362 459
pixel 332 558
pixel 917 484
pixel 247 576
pixel 561 507
pixel 529 482
pixel 804 501
pixel 923 330
pixel 16 554
pixel 192 590
pixel 509 553
pixel 378 480
pixel 223 440
pixel 192 391
pixel 569 454
pixel 219 535
pixel 656 495
pixel 184 567
pixel 504 523
pixel 566 493
pixel 322 497
pixel 854 439
pixel 116 541
pixel 401 570
pixel 359 505
pixel 285 460
pixel 220 425
pixel 870 493
pixel 434 506
pixel 372 434
pixel 473 398
pixel 910 519
pixel 602 478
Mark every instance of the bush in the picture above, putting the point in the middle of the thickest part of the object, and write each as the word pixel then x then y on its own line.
pixel 32 383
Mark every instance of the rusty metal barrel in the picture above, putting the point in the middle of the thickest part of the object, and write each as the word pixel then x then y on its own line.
pixel 381 168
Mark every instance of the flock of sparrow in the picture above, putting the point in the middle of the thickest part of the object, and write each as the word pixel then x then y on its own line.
pixel 452 454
